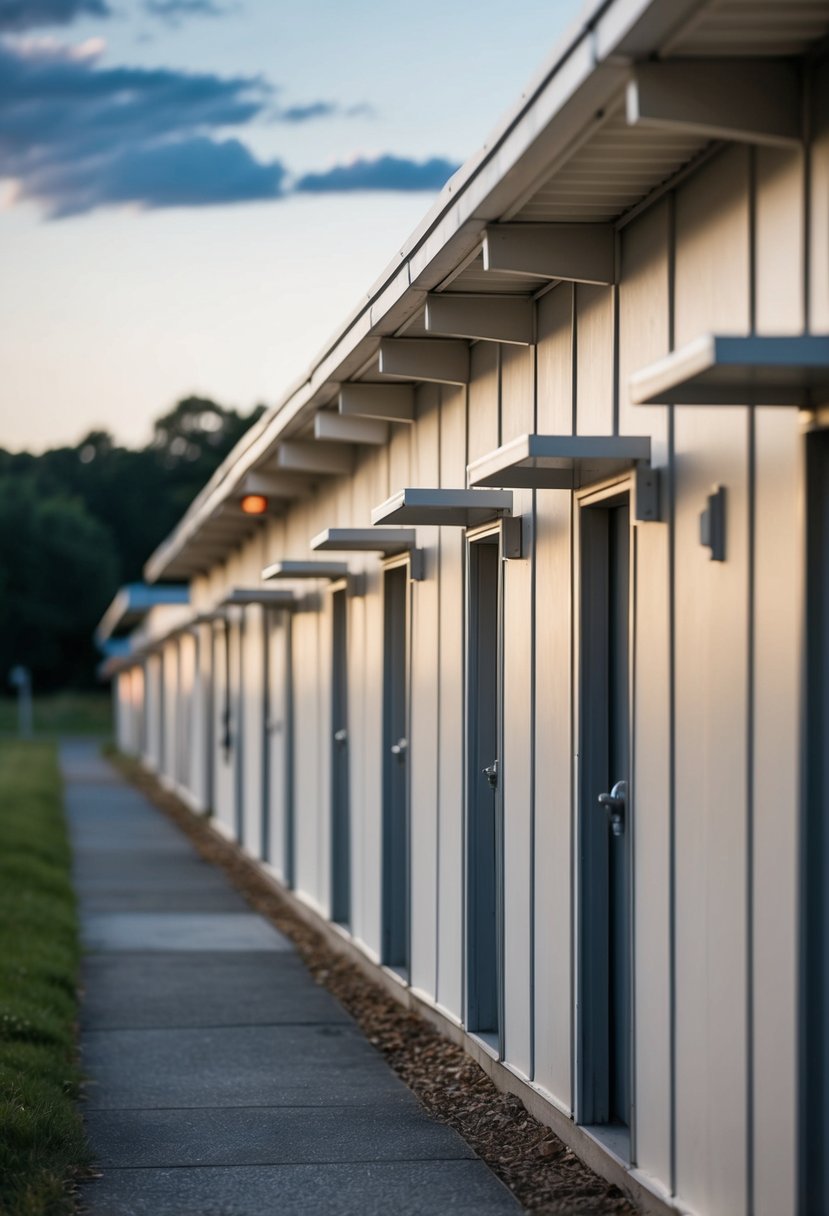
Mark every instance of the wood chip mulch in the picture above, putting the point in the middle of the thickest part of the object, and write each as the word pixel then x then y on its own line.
pixel 543 1173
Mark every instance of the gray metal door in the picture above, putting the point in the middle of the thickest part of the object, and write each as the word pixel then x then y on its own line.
pixel 340 810
pixel 484 830
pixel 395 772
pixel 604 830
pixel 814 986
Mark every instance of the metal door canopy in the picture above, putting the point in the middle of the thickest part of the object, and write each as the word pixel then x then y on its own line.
pixel 389 541
pixel 558 462
pixel 311 569
pixel 718 370
pixel 269 598
pixel 458 508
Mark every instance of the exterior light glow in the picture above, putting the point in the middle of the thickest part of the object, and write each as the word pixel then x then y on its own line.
pixel 254 504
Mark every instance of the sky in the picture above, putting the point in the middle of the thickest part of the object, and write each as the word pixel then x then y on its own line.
pixel 194 194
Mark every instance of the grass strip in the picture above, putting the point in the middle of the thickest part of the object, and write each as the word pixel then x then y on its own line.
pixel 42 1143
pixel 61 713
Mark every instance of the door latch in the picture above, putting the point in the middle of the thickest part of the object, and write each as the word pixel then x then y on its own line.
pixel 340 736
pixel 399 748
pixel 615 803
pixel 491 774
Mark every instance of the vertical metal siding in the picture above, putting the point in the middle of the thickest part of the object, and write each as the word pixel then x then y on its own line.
pixel 450 825
pixel 424 743
pixel 644 314
pixel 553 1015
pixel 712 605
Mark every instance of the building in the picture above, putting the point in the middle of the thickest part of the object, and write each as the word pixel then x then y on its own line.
pixel 518 681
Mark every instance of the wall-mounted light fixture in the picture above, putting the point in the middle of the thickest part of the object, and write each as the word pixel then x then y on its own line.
pixel 254 504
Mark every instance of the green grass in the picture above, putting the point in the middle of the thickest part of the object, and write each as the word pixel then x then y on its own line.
pixel 62 713
pixel 42 1143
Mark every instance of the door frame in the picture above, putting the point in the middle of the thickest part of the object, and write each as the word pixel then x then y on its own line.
pixel 398 561
pixel 488 533
pixel 599 495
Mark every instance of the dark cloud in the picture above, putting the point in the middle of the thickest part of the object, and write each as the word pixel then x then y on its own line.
pixel 314 109
pixel 17 15
pixel 76 136
pixel 383 173
pixel 174 11
pixel 196 172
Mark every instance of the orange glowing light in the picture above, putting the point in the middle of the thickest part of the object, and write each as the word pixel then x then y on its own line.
pixel 254 504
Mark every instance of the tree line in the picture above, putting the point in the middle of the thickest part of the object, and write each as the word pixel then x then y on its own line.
pixel 77 522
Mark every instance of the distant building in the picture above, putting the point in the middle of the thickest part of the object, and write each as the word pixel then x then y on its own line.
pixel 532 698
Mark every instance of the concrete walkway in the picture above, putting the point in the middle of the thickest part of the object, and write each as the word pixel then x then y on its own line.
pixel 222 1080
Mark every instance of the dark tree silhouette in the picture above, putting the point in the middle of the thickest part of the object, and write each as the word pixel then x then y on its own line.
pixel 76 522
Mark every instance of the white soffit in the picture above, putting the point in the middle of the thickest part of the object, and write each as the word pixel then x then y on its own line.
pixel 388 541
pixel 306 569
pixel 558 462
pixel 751 27
pixel 267 597
pixel 613 170
pixel 453 508
pixel 721 370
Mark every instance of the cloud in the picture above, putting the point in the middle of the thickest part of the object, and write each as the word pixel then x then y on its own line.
pixel 195 172
pixel 381 173
pixel 75 136
pixel 322 109
pixel 314 109
pixel 17 15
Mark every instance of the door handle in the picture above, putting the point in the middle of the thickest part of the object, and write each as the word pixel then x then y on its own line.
pixel 340 736
pixel 491 774
pixel 615 803
pixel 399 748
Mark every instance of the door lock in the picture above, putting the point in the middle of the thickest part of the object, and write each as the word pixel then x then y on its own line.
pixel 399 748
pixel 615 804
pixel 340 736
pixel 491 774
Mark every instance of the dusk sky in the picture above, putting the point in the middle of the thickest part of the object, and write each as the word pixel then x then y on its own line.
pixel 196 192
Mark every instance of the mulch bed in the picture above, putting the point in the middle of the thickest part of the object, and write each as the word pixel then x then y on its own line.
pixel 543 1173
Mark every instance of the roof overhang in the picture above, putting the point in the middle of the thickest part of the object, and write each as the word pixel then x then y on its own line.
pixel 558 462
pixel 308 569
pixel 720 370
pixel 452 508
pixel 604 99
pixel 241 597
pixel 131 604
pixel 388 541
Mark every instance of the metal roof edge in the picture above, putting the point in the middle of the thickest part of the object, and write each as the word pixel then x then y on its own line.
pixel 136 599
pixel 584 68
